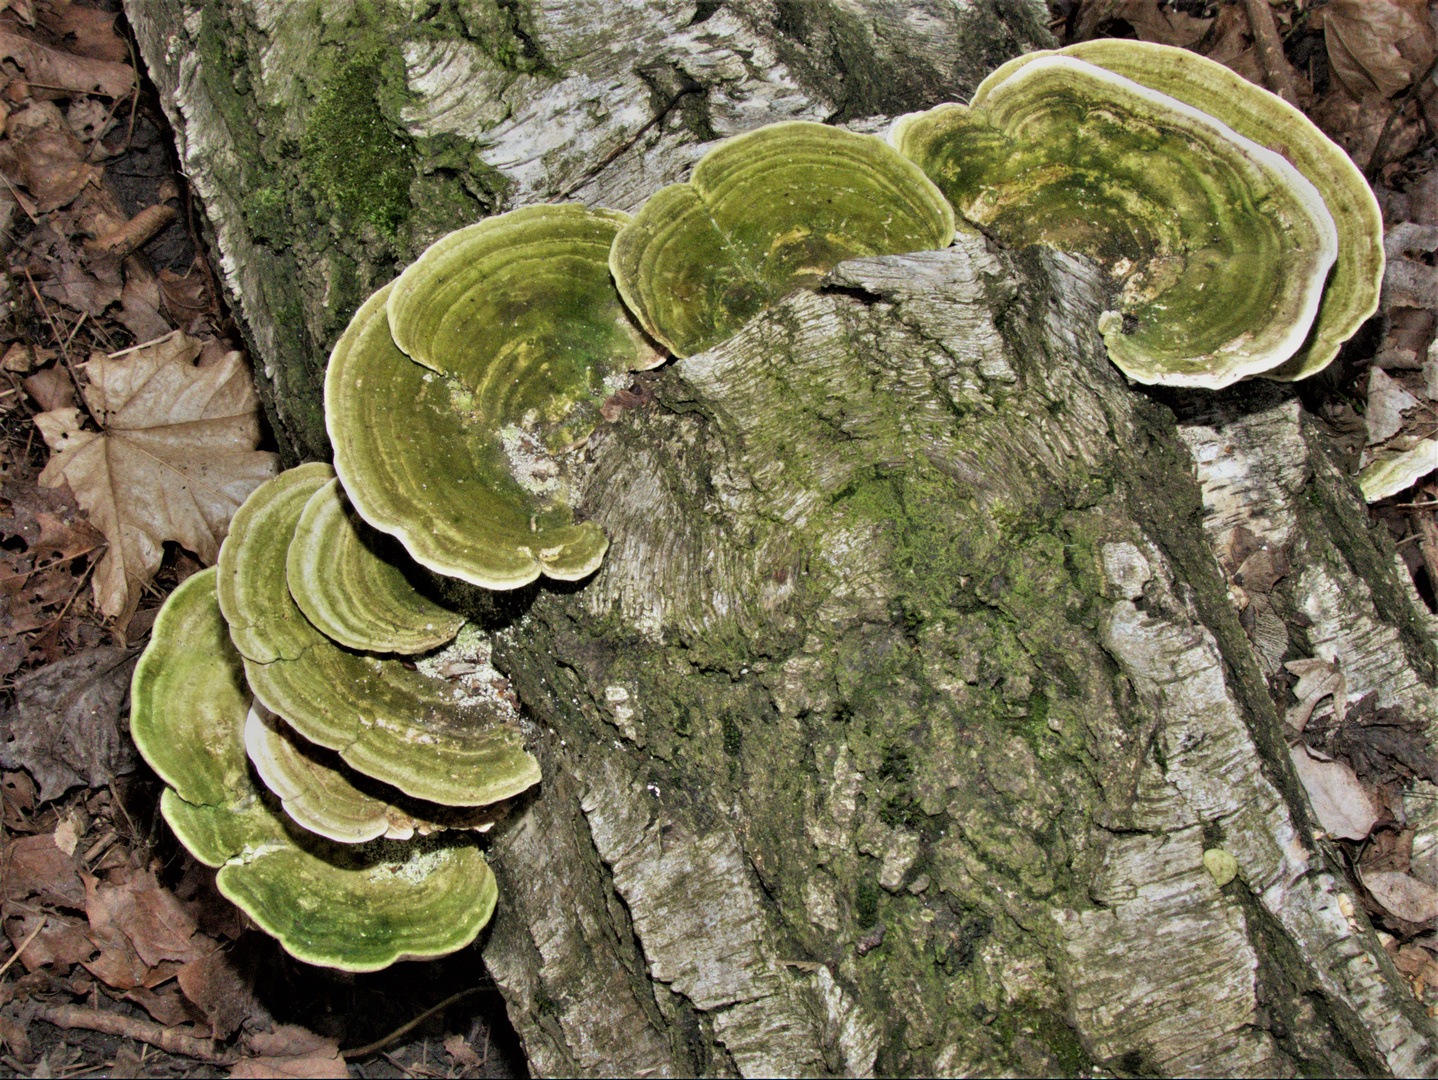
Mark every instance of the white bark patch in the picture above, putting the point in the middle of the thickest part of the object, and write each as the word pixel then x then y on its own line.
pixel 820 902
pixel 698 918
pixel 1126 570
pixel 546 131
pixel 1254 471
pixel 848 1026
pixel 1192 999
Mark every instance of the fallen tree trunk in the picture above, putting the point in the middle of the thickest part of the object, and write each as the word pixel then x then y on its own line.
pixel 893 732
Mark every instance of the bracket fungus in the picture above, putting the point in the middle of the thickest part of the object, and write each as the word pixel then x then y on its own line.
pixel 763 214
pixel 1392 472
pixel 353 594
pixel 359 908
pixel 1157 163
pixel 385 720
pixel 458 392
pixel 321 794
pixel 1351 294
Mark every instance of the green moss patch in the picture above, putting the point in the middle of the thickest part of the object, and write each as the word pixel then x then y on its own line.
pixel 355 157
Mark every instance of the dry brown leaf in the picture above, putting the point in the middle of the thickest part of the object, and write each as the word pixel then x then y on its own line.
pixel 34 866
pixel 1387 402
pixel 1377 45
pixel 42 154
pixel 167 1004
pixel 43 534
pixel 90 288
pixel 1402 895
pixel 20 357
pixel 158 926
pixel 52 388
pixel 91 120
pixel 217 988
pixel 1341 803
pixel 90 32
pixel 1356 126
pixel 185 297
pixel 291 1051
pixel 24 10
pixel 176 459
pixel 1317 679
pixel 1415 961
pixel 64 726
pixel 60 943
pixel 15 1039
pixel 462 1052
pixel 56 70
pixel 1150 22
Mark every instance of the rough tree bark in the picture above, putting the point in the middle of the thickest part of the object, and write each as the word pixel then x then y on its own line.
pixel 892 733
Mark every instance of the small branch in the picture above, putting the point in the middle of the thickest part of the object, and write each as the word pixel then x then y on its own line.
pixel 135 233
pixel 145 1031
pixel 1276 71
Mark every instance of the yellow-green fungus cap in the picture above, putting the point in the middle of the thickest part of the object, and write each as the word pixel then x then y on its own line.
pixel 398 725
pixel 766 213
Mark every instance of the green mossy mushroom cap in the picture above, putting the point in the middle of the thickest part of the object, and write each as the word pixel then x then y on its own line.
pixel 321 794
pixel 385 720
pixel 1222 246
pixel 191 675
pixel 358 909
pixel 766 213
pixel 352 585
pixel 458 395
pixel 1352 293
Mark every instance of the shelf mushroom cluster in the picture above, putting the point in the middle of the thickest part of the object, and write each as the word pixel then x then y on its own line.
pixel 337 787
pixel 1244 241
pixel 336 790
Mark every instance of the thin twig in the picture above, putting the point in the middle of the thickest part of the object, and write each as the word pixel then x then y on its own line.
pixel 144 1031
pixel 74 377
pixel 1428 545
pixel 73 331
pixel 25 577
pixel 690 87
pixel 80 585
pixel 83 1070
pixel 134 93
pixel 133 96
pixel 31 937
pixel 380 1044
pixel 22 201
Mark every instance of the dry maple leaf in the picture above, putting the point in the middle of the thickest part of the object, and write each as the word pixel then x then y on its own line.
pixel 175 459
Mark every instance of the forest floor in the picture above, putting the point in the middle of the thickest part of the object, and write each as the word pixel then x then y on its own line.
pixel 123 959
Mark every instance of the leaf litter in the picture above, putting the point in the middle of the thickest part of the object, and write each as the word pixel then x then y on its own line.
pixel 174 458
